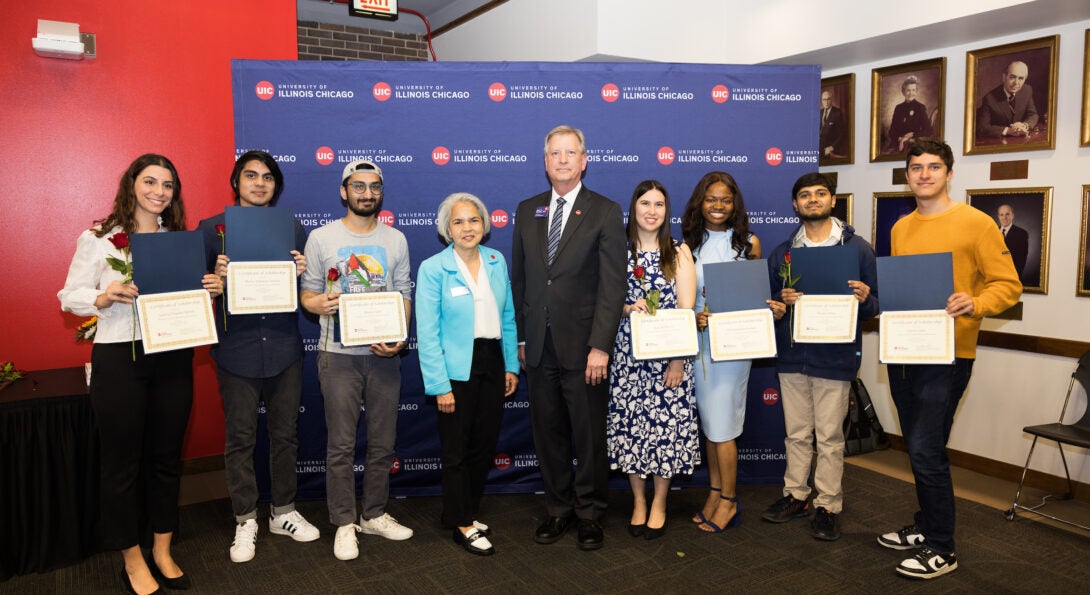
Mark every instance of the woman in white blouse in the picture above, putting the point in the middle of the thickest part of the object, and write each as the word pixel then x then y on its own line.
pixel 141 402
pixel 468 351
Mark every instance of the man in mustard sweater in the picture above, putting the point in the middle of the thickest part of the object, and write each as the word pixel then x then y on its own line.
pixel 926 396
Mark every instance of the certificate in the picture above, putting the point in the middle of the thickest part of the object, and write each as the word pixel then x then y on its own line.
pixel 666 334
pixel 261 287
pixel 824 319
pixel 916 337
pixel 367 318
pixel 746 334
pixel 176 320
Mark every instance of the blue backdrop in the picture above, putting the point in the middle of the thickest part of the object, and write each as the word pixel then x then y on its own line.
pixel 438 128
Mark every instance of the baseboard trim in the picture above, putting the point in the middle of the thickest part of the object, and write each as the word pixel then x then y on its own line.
pixel 1054 484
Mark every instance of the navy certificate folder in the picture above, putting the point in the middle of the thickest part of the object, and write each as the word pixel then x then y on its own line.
pixel 916 282
pixel 165 262
pixel 735 286
pixel 825 270
pixel 258 233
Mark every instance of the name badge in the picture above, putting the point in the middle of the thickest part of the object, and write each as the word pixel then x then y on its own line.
pixel 541 212
pixel 457 291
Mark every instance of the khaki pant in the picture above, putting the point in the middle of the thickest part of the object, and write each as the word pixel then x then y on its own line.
pixel 814 407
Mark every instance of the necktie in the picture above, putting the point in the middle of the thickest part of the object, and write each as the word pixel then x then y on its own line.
pixel 553 240
pixel 1004 233
pixel 825 116
pixel 1010 102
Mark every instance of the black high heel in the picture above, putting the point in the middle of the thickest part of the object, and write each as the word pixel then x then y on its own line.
pixel 128 584
pixel 180 583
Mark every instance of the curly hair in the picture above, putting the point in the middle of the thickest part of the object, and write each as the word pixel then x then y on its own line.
pixel 124 210
pixel 692 222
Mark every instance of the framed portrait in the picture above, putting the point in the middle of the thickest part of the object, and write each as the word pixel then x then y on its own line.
pixel 837 116
pixel 889 208
pixel 1084 139
pixel 906 103
pixel 1010 97
pixel 1024 216
pixel 1083 287
pixel 843 208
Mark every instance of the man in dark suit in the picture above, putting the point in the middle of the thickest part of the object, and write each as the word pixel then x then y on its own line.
pixel 1016 238
pixel 832 127
pixel 569 284
pixel 1008 110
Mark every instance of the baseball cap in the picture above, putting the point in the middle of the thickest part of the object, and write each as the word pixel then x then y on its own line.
pixel 361 165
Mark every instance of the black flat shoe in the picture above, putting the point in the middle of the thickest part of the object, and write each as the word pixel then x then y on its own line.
pixel 473 542
pixel 552 529
pixel 637 530
pixel 180 583
pixel 591 536
pixel 128 584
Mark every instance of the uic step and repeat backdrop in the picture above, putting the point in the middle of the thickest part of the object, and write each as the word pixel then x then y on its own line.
pixel 439 128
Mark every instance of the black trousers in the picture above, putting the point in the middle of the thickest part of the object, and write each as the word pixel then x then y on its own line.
pixel 566 411
pixel 141 409
pixel 468 435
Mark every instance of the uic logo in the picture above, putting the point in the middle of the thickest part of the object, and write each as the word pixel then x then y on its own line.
pixel 720 93
pixel 386 217
pixel 502 461
pixel 665 155
pixel 610 92
pixel 770 396
pixel 396 466
pixel 381 91
pixel 497 92
pixel 265 90
pixel 774 156
pixel 324 155
pixel 499 218
pixel 440 155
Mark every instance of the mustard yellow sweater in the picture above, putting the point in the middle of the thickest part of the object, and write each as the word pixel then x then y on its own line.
pixel 983 268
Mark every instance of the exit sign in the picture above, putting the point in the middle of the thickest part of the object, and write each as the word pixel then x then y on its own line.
pixel 375 9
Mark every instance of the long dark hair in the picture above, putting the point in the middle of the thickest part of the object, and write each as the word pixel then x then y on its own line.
pixel 667 251
pixel 124 209
pixel 692 222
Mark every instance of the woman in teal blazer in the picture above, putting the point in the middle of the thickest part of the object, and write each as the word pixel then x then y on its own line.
pixel 468 351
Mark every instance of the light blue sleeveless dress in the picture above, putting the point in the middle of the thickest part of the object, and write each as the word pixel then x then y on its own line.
pixel 720 386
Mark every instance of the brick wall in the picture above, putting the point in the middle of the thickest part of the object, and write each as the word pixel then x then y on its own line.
pixel 323 41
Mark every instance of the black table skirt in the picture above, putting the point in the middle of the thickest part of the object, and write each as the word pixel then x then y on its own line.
pixel 49 476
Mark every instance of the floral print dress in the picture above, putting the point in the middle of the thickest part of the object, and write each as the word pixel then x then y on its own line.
pixel 652 430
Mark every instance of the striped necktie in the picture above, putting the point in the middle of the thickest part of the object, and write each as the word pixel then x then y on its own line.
pixel 553 240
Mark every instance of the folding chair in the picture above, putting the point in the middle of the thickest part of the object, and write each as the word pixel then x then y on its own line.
pixel 1076 434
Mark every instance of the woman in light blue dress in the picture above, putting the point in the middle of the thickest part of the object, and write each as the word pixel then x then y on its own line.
pixel 716 228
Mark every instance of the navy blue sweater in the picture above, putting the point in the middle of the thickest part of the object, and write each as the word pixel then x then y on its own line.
pixel 834 361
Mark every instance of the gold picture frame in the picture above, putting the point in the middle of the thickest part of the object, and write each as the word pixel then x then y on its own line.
pixel 836 138
pixel 1030 212
pixel 1082 289
pixel 1084 139
pixel 844 208
pixel 993 122
pixel 888 208
pixel 907 102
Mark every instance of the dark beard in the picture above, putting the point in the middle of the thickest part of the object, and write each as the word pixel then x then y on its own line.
pixel 815 216
pixel 363 212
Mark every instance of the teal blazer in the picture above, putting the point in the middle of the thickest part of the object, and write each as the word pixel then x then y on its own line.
pixel 444 321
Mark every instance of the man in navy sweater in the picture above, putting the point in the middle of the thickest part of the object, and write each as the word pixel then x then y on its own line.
pixel 815 377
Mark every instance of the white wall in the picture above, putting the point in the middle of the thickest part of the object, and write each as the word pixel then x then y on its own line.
pixel 1009 389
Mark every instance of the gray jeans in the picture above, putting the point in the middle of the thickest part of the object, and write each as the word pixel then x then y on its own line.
pixel 349 381
pixel 241 396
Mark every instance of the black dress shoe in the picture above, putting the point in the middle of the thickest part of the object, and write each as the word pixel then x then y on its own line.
pixel 179 583
pixel 474 543
pixel 128 584
pixel 637 530
pixel 654 533
pixel 552 529
pixel 590 535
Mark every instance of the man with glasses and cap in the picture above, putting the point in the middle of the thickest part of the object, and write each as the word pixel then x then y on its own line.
pixel 368 256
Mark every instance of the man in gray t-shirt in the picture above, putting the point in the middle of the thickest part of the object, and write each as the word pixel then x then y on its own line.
pixel 367 256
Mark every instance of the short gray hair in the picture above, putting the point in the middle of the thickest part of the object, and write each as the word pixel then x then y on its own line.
pixel 442 220
pixel 565 129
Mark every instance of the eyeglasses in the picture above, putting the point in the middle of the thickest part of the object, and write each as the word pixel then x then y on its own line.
pixel 360 187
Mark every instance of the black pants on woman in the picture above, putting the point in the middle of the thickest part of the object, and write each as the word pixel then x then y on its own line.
pixel 141 409
pixel 468 435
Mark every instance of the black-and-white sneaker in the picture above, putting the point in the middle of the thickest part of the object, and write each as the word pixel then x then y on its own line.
pixel 927 564
pixel 907 538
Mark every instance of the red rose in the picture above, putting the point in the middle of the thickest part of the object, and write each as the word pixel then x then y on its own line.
pixel 333 274
pixel 120 240
pixel 787 257
pixel 638 272
pixel 221 228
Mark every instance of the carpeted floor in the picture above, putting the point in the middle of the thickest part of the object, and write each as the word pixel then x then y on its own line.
pixel 994 555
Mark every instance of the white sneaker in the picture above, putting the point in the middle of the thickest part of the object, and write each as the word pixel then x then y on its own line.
pixel 386 526
pixel 293 524
pixel 927 564
pixel 345 544
pixel 245 543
